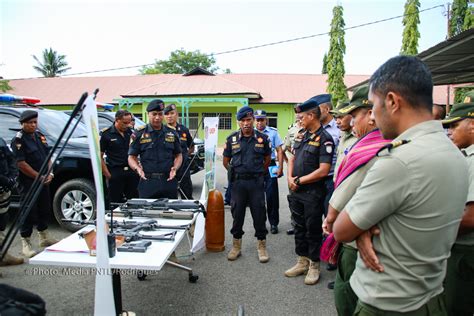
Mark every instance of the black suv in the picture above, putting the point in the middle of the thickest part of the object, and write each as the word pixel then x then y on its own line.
pixel 72 189
pixel 107 118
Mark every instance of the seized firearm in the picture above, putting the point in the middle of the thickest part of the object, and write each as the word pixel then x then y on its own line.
pixel 160 208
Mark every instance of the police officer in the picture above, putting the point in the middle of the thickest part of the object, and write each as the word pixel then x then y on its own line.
pixel 114 142
pixel 459 286
pixel 271 181
pixel 185 185
pixel 160 156
pixel 307 170
pixel 31 148
pixel 247 155
pixel 8 175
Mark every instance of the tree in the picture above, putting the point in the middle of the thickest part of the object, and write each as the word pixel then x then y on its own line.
pixel 4 86
pixel 335 57
pixel 460 18
pixel 469 17
pixel 52 64
pixel 411 19
pixel 181 62
pixel 325 64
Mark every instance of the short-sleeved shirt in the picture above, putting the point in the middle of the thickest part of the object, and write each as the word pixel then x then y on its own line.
pixel 312 149
pixel 7 161
pixel 274 138
pixel 346 141
pixel 247 153
pixel 115 146
pixel 156 148
pixel 332 130
pixel 31 148
pixel 290 140
pixel 404 193
pixel 468 239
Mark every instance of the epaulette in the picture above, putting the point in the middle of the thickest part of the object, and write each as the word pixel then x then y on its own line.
pixel 140 128
pixel 393 144
pixel 172 127
pixel 105 129
pixel 261 134
pixel 233 134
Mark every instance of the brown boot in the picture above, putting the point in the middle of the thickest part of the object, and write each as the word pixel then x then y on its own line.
pixel 299 268
pixel 45 240
pixel 234 253
pixel 27 249
pixel 312 276
pixel 9 260
pixel 262 251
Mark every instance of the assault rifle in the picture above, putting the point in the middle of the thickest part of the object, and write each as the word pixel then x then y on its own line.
pixel 160 208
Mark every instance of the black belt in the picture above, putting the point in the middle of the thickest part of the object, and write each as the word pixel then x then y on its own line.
pixel 120 167
pixel 156 175
pixel 247 176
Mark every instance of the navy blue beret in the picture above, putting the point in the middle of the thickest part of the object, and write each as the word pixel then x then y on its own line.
pixel 245 111
pixel 313 102
pixel 260 114
pixel 155 105
pixel 28 115
pixel 169 108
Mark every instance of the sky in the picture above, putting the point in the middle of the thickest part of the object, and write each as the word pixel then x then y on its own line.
pixel 103 34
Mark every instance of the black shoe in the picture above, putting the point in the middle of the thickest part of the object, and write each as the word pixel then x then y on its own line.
pixel 226 203
pixel 331 285
pixel 331 267
pixel 290 231
pixel 274 229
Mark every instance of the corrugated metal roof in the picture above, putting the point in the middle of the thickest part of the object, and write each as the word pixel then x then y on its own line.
pixel 260 88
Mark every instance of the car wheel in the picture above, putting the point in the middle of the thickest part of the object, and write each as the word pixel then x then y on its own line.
pixel 75 200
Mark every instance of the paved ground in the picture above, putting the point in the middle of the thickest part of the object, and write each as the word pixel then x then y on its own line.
pixel 261 289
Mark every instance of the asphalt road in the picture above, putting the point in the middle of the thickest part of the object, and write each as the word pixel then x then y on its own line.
pixel 223 286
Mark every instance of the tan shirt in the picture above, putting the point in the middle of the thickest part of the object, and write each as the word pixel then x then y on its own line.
pixel 468 239
pixel 290 141
pixel 345 143
pixel 404 193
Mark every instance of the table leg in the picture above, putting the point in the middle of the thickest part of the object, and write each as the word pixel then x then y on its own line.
pixel 117 287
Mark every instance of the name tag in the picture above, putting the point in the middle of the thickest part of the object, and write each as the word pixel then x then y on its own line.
pixel 314 144
pixel 169 139
pixel 145 140
pixel 236 146
pixel 259 145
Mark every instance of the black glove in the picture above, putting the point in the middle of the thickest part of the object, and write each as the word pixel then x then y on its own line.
pixel 4 181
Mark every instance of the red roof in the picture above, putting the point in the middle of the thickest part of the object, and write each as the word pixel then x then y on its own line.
pixel 260 88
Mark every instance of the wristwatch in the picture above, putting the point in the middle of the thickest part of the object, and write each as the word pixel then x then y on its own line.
pixel 297 181
pixel 51 174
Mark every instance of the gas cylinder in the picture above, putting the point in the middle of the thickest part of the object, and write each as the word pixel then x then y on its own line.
pixel 215 225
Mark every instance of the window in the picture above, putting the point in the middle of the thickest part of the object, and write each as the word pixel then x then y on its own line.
pixel 225 119
pixel 103 123
pixel 193 122
pixel 10 127
pixel 272 119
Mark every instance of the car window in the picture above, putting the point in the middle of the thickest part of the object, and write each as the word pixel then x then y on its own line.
pixel 103 122
pixel 52 123
pixel 10 126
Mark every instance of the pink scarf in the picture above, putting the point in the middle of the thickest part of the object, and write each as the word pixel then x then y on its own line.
pixel 361 153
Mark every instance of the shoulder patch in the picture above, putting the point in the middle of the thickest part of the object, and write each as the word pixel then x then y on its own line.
pixel 19 134
pixel 393 144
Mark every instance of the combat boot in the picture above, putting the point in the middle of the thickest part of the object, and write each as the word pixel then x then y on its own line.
pixel 312 276
pixel 234 253
pixel 9 260
pixel 27 247
pixel 45 240
pixel 299 268
pixel 262 251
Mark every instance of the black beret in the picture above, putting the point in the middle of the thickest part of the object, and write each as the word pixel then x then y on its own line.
pixel 28 115
pixel 245 111
pixel 155 105
pixel 169 108
pixel 313 102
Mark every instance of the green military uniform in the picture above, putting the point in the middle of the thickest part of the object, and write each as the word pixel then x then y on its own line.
pixel 459 283
pixel 290 140
pixel 404 193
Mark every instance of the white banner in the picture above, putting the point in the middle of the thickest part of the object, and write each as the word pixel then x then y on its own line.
pixel 104 297
pixel 211 125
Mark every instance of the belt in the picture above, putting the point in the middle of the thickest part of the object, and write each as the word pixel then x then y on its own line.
pixel 155 175
pixel 247 176
pixel 120 167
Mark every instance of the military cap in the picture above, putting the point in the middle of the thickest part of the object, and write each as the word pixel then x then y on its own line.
pixel 245 111
pixel 462 110
pixel 339 107
pixel 169 108
pixel 28 115
pixel 155 105
pixel 260 114
pixel 360 99
pixel 312 103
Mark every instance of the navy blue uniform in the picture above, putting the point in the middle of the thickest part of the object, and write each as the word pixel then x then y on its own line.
pixel 184 174
pixel 307 203
pixel 157 150
pixel 123 181
pixel 32 149
pixel 8 174
pixel 247 159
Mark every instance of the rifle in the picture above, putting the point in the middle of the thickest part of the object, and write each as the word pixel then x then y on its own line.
pixel 130 226
pixel 161 208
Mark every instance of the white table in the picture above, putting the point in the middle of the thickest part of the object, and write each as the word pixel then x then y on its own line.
pixel 153 259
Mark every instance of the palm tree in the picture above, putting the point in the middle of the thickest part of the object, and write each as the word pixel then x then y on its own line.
pixel 53 64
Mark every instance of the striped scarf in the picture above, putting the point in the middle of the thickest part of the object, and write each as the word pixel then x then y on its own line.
pixel 364 150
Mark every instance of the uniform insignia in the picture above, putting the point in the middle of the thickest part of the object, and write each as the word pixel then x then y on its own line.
pixel 18 146
pixel 260 140
pixel 19 134
pixel 146 135
pixel 113 139
pixel 43 139
pixel 169 137
pixel 328 146
pixel 140 128
pixel 393 144
pixel 145 140
pixel 184 135
pixel 314 144
pixel 236 146
pixel 259 145
pixel 234 138
pixel 317 138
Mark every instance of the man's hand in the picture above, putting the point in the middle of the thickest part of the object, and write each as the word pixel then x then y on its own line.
pixel 141 173
pixel 291 183
pixel 279 171
pixel 47 179
pixel 172 173
pixel 329 220
pixel 366 249
pixel 107 174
